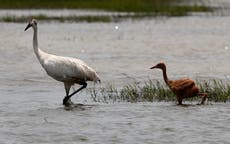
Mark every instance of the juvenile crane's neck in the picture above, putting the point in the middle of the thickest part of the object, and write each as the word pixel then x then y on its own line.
pixel 165 75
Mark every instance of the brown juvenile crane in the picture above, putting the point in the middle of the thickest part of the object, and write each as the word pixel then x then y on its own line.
pixel 182 88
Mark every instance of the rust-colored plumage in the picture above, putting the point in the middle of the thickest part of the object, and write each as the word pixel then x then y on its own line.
pixel 182 88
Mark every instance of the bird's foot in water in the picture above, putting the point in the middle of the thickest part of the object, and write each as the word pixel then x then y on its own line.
pixel 68 102
pixel 68 105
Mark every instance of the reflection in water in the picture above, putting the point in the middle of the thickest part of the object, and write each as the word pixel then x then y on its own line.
pixel 78 107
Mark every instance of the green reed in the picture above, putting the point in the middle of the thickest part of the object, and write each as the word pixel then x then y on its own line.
pixel 217 90
pixel 157 91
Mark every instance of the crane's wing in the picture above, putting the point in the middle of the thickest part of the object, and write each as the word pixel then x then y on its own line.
pixel 69 69
pixel 182 84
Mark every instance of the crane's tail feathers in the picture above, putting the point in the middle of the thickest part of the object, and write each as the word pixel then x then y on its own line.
pixel 96 81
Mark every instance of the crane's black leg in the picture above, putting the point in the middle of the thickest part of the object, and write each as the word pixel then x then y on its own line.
pixel 65 100
pixel 67 88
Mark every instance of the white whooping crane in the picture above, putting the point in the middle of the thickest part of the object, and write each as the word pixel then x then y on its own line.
pixel 65 69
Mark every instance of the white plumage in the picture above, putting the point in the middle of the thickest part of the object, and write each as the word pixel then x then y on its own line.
pixel 65 69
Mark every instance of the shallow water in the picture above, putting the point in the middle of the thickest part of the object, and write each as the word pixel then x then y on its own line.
pixel 30 106
pixel 118 123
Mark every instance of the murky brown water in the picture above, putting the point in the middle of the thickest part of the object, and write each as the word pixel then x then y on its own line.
pixel 30 105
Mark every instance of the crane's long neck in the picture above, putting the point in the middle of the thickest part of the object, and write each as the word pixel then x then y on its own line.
pixel 35 42
pixel 38 52
pixel 165 75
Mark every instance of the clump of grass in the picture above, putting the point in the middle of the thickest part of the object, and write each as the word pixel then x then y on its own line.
pixel 105 94
pixel 148 92
pixel 130 93
pixel 216 89
pixel 156 91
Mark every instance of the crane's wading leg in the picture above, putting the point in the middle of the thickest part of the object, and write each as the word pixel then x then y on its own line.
pixel 204 97
pixel 179 99
pixel 65 100
pixel 67 89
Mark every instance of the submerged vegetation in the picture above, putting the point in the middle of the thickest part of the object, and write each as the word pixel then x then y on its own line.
pixel 133 8
pixel 156 91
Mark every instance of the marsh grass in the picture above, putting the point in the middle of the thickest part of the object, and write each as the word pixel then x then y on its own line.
pixel 157 91
pixel 157 6
pixel 71 18
pixel 89 18
pixel 141 8
pixel 105 94
pixel 217 90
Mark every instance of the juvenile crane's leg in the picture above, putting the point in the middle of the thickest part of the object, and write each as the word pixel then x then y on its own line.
pixel 179 99
pixel 204 97
pixel 65 100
